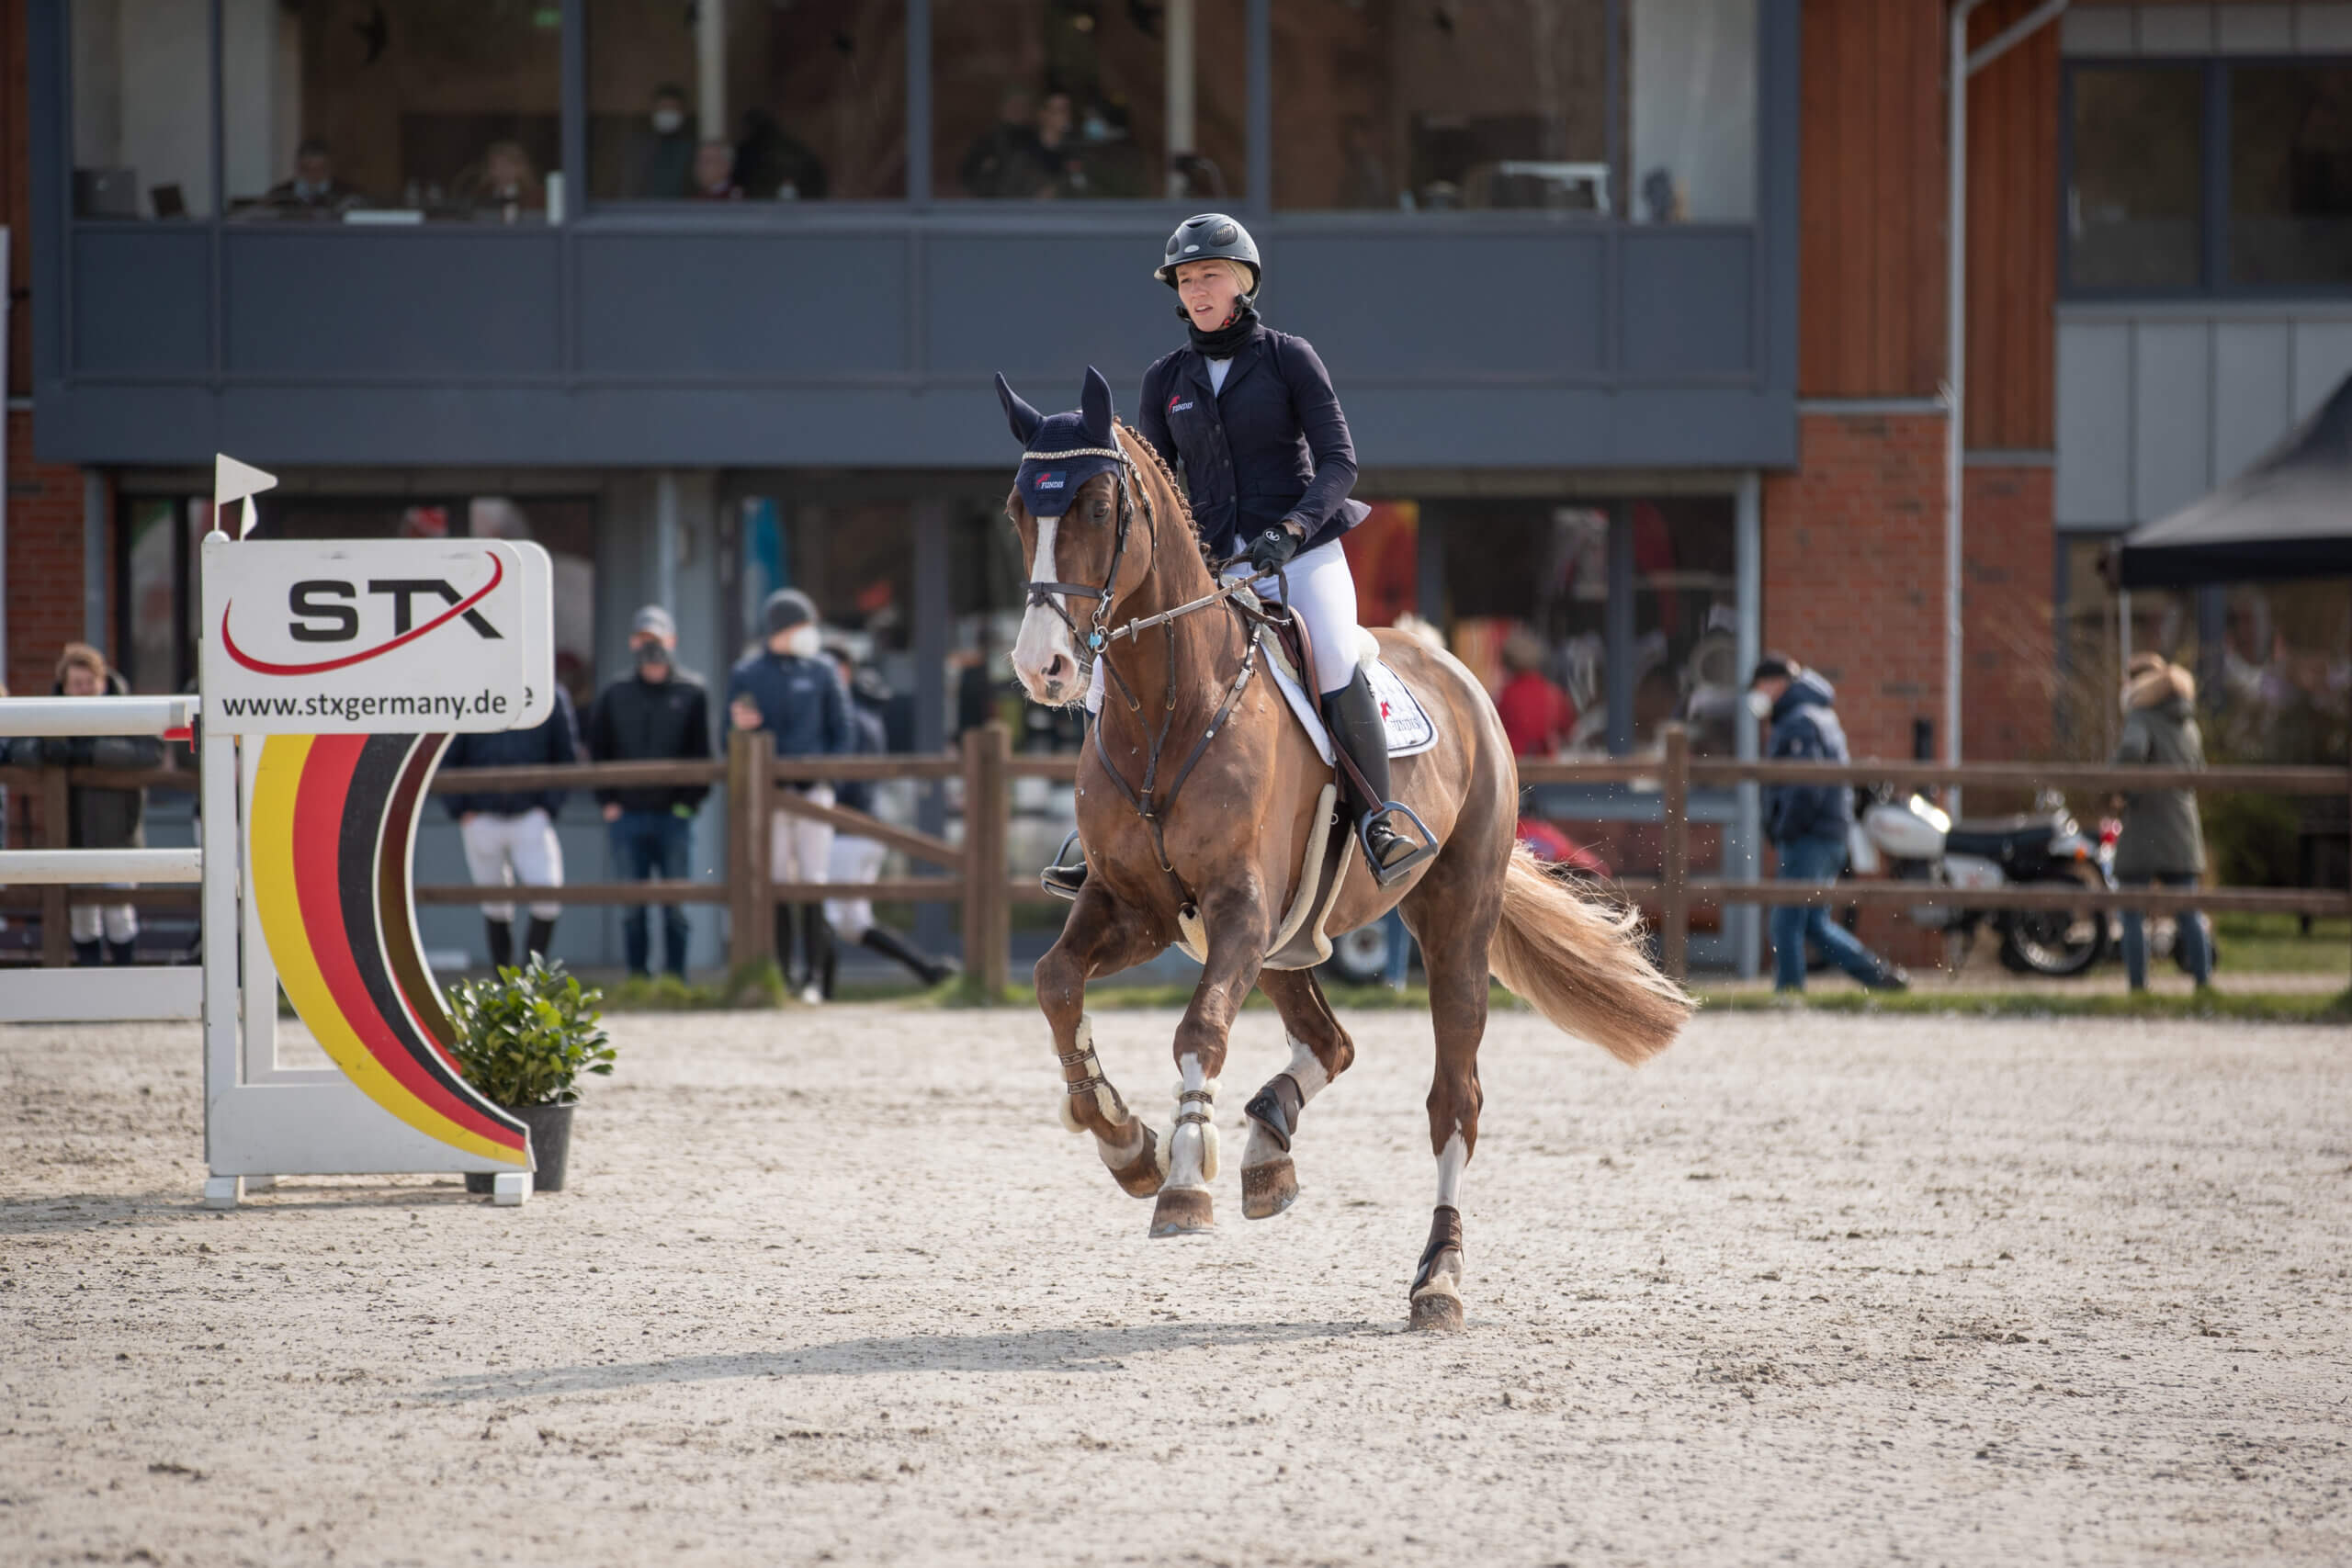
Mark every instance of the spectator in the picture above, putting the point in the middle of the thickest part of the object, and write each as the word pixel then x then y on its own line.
pixel 791 692
pixel 771 164
pixel 2163 842
pixel 661 153
pixel 715 173
pixel 1537 715
pixel 856 859
pixel 314 191
pixel 97 818
pixel 1807 825
pixel 1009 161
pixel 659 713
pixel 505 186
pixel 510 834
pixel 1065 174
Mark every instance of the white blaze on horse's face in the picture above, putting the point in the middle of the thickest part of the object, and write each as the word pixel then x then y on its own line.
pixel 1042 655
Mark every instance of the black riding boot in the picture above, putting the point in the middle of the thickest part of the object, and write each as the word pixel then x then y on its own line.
pixel 502 943
pixel 542 936
pixel 890 944
pixel 1063 880
pixel 123 952
pixel 816 947
pixel 780 938
pixel 1353 715
pixel 88 955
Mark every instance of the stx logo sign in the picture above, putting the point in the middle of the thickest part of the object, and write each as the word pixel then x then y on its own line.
pixel 315 600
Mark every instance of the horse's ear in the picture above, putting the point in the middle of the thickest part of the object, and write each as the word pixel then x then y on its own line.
pixel 1023 419
pixel 1095 408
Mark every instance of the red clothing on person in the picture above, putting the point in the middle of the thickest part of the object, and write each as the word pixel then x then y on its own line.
pixel 1537 714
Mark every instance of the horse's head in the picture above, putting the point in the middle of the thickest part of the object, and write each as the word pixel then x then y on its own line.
pixel 1074 507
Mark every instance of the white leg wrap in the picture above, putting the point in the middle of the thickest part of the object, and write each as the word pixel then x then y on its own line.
pixel 1306 1071
pixel 1192 1148
pixel 1451 1160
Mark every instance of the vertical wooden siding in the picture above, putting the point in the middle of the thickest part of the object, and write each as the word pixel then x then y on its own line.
pixel 2012 237
pixel 1871 223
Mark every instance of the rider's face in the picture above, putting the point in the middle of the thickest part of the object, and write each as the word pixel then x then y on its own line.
pixel 1210 291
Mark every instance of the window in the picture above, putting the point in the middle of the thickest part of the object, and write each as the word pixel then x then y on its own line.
pixel 1427 105
pixel 747 100
pixel 2291 173
pixel 1044 100
pixel 156 553
pixel 1693 110
pixel 2137 186
pixel 390 113
pixel 143 119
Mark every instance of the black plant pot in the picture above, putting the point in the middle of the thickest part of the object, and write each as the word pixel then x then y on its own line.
pixel 550 1128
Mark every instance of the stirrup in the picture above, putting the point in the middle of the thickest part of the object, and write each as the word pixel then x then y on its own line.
pixel 1064 881
pixel 1388 875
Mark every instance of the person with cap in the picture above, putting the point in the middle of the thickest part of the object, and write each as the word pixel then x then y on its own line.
pixel 1248 415
pixel 659 712
pixel 509 834
pixel 1807 824
pixel 2163 842
pixel 856 858
pixel 789 689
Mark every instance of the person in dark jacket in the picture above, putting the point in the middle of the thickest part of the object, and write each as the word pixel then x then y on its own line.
pixel 857 859
pixel 659 713
pixel 2163 842
pixel 510 834
pixel 789 689
pixel 97 818
pixel 1807 824
pixel 1247 416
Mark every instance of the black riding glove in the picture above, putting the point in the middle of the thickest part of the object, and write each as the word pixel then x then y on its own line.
pixel 1271 549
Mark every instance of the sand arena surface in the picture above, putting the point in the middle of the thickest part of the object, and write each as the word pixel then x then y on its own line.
pixel 836 1287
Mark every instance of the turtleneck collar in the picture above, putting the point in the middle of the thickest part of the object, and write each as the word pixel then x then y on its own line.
pixel 1228 339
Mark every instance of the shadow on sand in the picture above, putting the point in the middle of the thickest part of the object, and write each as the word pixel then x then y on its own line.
pixel 1032 1350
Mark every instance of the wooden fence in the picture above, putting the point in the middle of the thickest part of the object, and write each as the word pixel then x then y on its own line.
pixel 975 874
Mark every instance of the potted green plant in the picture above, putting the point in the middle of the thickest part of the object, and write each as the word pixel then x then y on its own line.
pixel 523 1040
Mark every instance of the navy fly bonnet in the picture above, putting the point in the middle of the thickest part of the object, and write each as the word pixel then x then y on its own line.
pixel 1059 454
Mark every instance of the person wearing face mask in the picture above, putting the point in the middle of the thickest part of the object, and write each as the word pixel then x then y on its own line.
pixel 1807 824
pixel 1250 416
pixel 661 157
pixel 314 191
pixel 659 712
pixel 790 691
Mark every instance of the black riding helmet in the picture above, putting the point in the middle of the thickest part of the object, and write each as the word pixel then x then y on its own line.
pixel 1211 236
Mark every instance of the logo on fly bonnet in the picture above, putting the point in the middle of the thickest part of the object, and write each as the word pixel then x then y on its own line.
pixel 1049 481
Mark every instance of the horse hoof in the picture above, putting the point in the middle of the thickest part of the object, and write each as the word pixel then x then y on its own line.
pixel 1437 1311
pixel 1183 1211
pixel 1267 1190
pixel 1143 1175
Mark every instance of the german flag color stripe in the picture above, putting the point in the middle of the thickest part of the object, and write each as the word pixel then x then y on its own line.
pixel 317 829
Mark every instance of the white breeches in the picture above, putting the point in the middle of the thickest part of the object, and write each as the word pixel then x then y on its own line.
pixel 1323 592
pixel 854 860
pixel 505 850
pixel 801 849
pixel 118 922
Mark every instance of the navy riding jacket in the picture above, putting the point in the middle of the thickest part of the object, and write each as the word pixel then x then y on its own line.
pixel 1274 445
pixel 555 738
pixel 800 701
pixel 1805 729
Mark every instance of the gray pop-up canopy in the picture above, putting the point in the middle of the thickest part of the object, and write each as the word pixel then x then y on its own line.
pixel 2288 515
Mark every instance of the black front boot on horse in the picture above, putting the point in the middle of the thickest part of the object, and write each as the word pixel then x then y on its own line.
pixel 1353 715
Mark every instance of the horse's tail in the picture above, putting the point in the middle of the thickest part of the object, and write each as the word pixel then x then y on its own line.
pixel 1581 964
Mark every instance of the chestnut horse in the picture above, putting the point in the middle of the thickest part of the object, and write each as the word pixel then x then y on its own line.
pixel 1196 801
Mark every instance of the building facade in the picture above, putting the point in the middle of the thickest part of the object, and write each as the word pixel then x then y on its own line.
pixel 1637 308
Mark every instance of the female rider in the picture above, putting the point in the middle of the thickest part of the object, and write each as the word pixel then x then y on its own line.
pixel 1248 416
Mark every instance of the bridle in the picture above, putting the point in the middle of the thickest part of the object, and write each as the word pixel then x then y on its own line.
pixel 1151 802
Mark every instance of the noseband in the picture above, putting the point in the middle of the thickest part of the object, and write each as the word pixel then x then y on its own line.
pixel 1048 595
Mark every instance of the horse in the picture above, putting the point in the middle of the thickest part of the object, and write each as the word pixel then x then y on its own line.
pixel 1198 796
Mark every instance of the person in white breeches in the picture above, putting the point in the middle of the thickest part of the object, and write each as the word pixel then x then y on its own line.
pixel 514 850
pixel 510 834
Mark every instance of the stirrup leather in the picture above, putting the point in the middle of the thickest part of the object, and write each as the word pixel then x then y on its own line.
pixel 1395 871
pixel 1064 881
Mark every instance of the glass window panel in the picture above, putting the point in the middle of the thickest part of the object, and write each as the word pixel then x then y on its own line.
pixel 1693 110
pixel 2137 191
pixel 2291 173
pixel 430 110
pixel 143 109
pixel 1527 588
pixel 151 612
pixel 732 100
pixel 1686 621
pixel 1089 100
pixel 1456 104
pixel 565 527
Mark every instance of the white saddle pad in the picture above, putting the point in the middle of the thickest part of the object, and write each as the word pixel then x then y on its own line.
pixel 1411 730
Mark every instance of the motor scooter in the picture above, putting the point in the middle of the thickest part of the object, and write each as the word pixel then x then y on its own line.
pixel 1907 838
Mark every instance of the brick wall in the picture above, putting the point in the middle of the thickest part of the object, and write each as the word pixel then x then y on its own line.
pixel 45 567
pixel 2010 690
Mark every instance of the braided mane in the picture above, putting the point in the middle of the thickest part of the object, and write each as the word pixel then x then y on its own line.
pixel 1168 477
